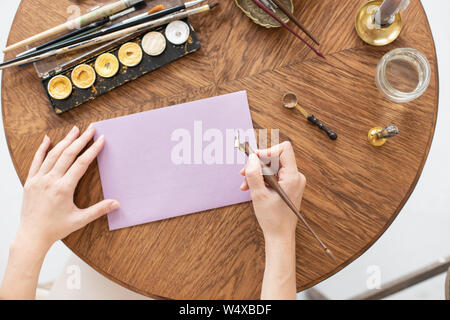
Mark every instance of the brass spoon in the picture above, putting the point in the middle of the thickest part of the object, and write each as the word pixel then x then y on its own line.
pixel 290 101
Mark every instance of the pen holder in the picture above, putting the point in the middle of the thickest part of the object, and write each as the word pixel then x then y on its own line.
pixel 370 31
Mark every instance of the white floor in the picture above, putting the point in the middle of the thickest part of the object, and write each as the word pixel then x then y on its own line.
pixel 419 236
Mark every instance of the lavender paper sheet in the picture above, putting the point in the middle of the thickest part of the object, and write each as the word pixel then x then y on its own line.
pixel 137 165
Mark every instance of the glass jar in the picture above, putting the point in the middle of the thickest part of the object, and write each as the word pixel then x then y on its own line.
pixel 403 75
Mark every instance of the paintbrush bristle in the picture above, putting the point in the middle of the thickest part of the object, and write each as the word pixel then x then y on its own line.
pixel 155 9
pixel 212 5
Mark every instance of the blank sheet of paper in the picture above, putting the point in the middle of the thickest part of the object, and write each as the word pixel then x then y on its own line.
pixel 174 161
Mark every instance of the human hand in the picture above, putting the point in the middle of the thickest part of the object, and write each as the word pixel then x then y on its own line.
pixel 48 211
pixel 276 219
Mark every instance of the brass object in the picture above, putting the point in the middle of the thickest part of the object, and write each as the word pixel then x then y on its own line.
pixel 378 136
pixel 290 101
pixel 106 65
pixel 372 32
pixel 59 87
pixel 83 76
pixel 130 54
pixel 258 16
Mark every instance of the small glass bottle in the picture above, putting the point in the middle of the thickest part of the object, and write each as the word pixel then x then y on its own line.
pixel 403 75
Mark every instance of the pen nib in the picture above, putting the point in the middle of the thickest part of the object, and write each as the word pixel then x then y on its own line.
pixel 237 142
pixel 330 254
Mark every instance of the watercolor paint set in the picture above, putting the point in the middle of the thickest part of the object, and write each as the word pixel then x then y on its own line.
pixel 72 84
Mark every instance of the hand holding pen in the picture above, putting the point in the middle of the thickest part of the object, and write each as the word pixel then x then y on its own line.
pixel 276 219
pixel 273 176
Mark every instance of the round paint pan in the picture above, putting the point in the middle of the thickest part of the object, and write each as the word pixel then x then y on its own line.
pixel 83 76
pixel 177 32
pixel 107 65
pixel 130 54
pixel 154 43
pixel 59 87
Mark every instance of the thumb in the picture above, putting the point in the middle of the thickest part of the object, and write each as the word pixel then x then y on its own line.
pixel 97 210
pixel 253 173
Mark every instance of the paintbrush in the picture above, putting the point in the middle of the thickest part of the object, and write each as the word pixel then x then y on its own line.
pixel 273 15
pixel 272 180
pixel 95 26
pixel 287 12
pixel 155 9
pixel 136 29
pixel 100 13
pixel 111 29
pixel 154 13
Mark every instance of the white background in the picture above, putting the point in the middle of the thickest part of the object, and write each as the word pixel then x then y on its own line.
pixel 419 236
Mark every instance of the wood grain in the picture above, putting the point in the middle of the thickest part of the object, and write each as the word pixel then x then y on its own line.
pixel 354 191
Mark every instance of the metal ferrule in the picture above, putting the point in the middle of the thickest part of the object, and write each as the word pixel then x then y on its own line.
pixel 130 3
pixel 193 3
pixel 173 16
pixel 121 14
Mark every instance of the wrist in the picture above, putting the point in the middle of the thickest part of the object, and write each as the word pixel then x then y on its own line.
pixel 279 238
pixel 280 267
pixel 26 257
pixel 29 244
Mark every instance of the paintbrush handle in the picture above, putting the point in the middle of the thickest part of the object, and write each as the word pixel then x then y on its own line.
pixel 74 33
pixel 60 41
pixel 43 35
pixel 287 12
pixel 99 33
pixel 102 12
pixel 273 15
pixel 311 118
pixel 113 36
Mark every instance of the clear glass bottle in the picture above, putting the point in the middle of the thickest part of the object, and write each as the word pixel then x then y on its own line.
pixel 403 75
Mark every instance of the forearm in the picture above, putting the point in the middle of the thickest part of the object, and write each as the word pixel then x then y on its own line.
pixel 22 272
pixel 279 281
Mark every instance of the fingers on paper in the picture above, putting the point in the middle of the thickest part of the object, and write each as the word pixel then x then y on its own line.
pixel 253 175
pixel 244 185
pixel 80 166
pixel 71 152
pixel 55 153
pixel 86 216
pixel 39 157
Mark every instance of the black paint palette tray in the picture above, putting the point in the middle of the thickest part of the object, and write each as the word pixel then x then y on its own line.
pixel 124 75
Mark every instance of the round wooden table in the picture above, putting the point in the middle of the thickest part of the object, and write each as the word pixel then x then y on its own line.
pixel 354 190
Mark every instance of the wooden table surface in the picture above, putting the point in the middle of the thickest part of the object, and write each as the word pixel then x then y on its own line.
pixel 354 190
